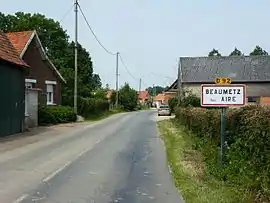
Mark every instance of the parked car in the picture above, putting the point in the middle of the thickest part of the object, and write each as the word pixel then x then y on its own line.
pixel 164 110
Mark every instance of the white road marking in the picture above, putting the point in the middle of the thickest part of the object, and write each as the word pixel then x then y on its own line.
pixel 66 165
pixel 56 172
pixel 21 198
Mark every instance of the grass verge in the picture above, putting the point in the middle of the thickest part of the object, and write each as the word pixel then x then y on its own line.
pixel 101 116
pixel 189 171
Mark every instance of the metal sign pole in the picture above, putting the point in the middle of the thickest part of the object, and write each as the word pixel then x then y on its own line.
pixel 222 134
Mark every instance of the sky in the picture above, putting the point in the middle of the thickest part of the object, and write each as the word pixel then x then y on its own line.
pixel 151 35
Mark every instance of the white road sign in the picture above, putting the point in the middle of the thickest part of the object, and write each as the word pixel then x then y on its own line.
pixel 223 95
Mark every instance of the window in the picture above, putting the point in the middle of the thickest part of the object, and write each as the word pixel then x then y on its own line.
pixel 49 94
pixel 30 83
pixel 50 91
pixel 253 99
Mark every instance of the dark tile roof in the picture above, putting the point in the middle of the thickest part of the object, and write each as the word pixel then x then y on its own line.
pixel 238 68
pixel 8 52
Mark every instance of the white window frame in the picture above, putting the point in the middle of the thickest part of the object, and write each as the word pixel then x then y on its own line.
pixel 49 89
pixel 49 82
pixel 30 82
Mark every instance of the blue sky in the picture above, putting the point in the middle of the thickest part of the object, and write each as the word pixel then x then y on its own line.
pixel 152 34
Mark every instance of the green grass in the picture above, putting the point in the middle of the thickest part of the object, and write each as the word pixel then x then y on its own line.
pixel 189 171
pixel 96 117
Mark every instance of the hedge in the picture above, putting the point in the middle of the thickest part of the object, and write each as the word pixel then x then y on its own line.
pixel 55 115
pixel 247 160
pixel 90 106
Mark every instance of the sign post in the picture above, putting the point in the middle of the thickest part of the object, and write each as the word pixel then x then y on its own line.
pixel 223 94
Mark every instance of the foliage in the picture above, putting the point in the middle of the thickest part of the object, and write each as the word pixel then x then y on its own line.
pixel 92 106
pixel 100 94
pixel 173 103
pixel 128 97
pixel 236 52
pixel 247 129
pixel 188 168
pixel 55 115
pixel 214 52
pixel 59 49
pixel 258 51
pixel 190 99
pixel 155 90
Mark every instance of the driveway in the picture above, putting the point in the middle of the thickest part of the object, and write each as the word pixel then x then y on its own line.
pixel 119 159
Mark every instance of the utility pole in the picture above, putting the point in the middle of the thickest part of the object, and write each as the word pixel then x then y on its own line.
pixel 116 85
pixel 76 56
pixel 140 84
pixel 154 90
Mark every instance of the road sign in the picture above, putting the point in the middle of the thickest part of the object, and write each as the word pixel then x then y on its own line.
pixel 223 81
pixel 223 95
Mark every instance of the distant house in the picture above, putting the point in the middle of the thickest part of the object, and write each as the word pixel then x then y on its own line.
pixel 143 96
pixel 254 71
pixel 12 73
pixel 163 98
pixel 42 73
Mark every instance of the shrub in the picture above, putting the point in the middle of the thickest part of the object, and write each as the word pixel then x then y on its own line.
pixel 248 135
pixel 55 115
pixel 191 100
pixel 173 103
pixel 91 106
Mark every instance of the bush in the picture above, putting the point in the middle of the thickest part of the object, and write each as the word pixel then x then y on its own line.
pixel 55 115
pixel 173 104
pixel 191 100
pixel 91 106
pixel 248 135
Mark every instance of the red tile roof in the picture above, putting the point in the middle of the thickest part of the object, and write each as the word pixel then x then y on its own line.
pixel 109 94
pixel 19 39
pixel 8 52
pixel 143 95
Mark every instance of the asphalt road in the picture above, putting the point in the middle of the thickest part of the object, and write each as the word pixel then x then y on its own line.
pixel 120 159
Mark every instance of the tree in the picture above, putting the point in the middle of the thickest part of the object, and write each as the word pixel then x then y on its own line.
pixel 258 51
pixel 155 90
pixel 236 52
pixel 128 97
pixel 214 52
pixel 60 51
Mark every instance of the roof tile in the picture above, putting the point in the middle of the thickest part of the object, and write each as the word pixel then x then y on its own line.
pixel 143 94
pixel 19 39
pixel 8 52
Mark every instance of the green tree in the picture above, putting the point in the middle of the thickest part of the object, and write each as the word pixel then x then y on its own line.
pixel 214 52
pixel 155 90
pixel 236 52
pixel 59 49
pixel 128 97
pixel 258 51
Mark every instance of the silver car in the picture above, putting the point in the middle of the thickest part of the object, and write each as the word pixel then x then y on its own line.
pixel 164 110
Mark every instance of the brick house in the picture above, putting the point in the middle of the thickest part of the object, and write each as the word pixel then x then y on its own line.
pixel 12 103
pixel 42 73
pixel 143 96
pixel 163 98
pixel 254 71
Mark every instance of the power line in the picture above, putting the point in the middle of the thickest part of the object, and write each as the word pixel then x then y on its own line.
pixel 92 31
pixel 125 66
pixel 65 15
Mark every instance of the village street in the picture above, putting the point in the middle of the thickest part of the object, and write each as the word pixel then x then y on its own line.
pixel 119 159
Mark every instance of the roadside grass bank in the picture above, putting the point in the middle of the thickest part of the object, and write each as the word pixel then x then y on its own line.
pixel 103 115
pixel 187 159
